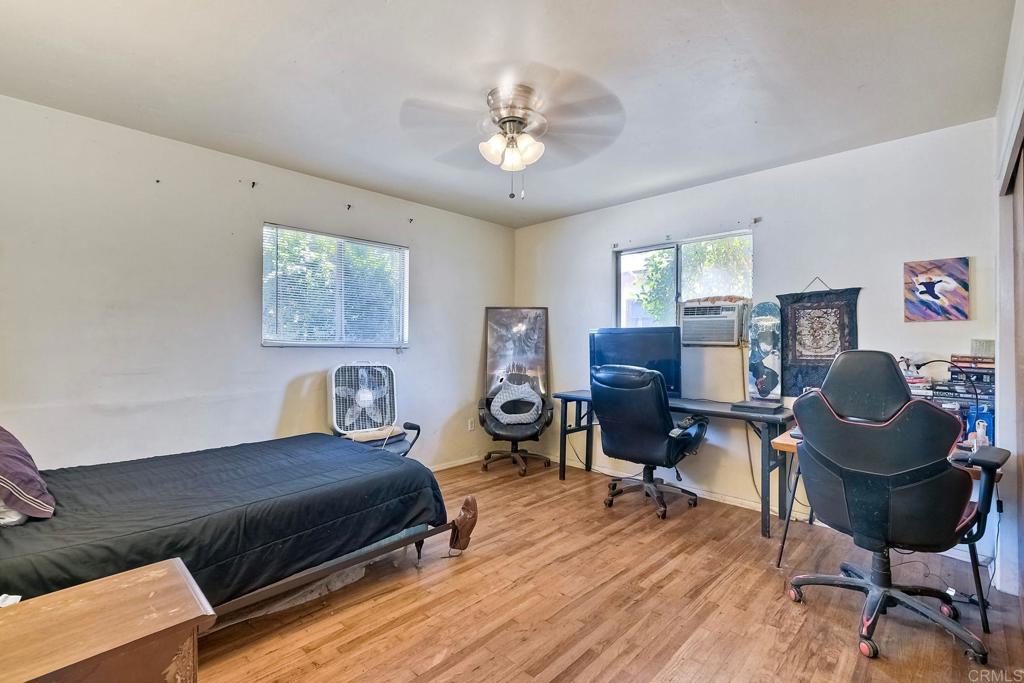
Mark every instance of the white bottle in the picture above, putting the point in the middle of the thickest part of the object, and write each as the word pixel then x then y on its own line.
pixel 980 434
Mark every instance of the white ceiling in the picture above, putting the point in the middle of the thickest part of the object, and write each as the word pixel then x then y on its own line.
pixel 709 89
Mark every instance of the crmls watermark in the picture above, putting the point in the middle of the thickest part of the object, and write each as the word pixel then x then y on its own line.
pixel 993 676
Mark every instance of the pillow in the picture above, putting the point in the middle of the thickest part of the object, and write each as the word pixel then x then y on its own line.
pixel 21 487
pixel 511 393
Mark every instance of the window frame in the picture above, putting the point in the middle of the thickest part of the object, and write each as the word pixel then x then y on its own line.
pixel 404 344
pixel 618 252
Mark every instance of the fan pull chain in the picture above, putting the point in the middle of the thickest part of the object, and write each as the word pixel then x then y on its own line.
pixel 522 185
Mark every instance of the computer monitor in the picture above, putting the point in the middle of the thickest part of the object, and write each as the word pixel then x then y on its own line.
pixel 656 348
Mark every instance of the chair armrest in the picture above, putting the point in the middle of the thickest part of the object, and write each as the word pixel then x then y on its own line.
pixel 692 428
pixel 989 459
pixel 412 427
pixel 986 457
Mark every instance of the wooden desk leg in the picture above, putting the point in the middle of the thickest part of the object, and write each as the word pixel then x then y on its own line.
pixel 590 436
pixel 562 436
pixel 767 457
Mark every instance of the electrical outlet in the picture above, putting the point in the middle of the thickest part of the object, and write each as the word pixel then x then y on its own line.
pixel 470 425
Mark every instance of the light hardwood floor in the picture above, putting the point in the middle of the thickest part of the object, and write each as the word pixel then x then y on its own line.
pixel 557 588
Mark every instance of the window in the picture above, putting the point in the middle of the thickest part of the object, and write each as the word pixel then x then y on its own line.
pixel 647 287
pixel 323 290
pixel 652 280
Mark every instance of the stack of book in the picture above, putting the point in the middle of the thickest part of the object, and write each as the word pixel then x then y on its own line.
pixel 975 373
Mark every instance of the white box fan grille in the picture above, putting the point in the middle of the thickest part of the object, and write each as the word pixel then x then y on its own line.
pixel 362 397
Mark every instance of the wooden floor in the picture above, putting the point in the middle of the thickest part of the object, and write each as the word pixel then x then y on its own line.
pixel 557 588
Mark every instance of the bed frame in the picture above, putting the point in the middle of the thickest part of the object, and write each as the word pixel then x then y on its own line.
pixel 461 528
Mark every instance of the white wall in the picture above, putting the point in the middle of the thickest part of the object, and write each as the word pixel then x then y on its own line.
pixel 1010 110
pixel 1009 127
pixel 851 218
pixel 131 308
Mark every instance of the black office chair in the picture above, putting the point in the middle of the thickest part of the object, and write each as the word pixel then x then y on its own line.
pixel 631 405
pixel 877 467
pixel 515 433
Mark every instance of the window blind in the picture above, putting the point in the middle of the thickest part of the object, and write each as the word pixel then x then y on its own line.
pixel 333 291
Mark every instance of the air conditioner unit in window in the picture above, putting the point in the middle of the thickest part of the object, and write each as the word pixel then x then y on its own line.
pixel 712 324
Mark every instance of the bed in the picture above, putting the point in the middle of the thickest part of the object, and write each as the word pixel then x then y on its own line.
pixel 249 521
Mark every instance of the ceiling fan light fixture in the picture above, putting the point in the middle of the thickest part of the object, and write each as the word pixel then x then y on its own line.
pixel 493 148
pixel 529 148
pixel 513 160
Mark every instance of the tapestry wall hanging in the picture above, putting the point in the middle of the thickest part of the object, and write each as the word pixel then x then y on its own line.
pixel 517 348
pixel 939 289
pixel 816 327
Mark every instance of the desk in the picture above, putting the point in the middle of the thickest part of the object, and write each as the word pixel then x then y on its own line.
pixel 768 427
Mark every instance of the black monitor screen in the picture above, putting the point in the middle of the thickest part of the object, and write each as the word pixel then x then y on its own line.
pixel 656 348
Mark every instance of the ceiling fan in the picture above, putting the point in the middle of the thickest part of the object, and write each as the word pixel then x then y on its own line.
pixel 529 111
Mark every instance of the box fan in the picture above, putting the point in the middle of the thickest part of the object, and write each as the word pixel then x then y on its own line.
pixel 362 397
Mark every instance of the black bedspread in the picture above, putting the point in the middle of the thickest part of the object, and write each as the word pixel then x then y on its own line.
pixel 240 517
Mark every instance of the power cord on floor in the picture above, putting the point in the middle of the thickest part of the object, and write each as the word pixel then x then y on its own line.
pixel 568 440
pixel 966 600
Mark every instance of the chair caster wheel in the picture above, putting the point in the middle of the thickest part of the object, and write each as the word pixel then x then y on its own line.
pixel 949 611
pixel 977 657
pixel 868 648
pixel 662 514
pixel 608 502
pixel 483 467
pixel 795 594
pixel 692 502
pixel 522 472
pixel 547 463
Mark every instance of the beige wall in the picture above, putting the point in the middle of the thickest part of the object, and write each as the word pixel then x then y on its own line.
pixel 131 308
pixel 851 218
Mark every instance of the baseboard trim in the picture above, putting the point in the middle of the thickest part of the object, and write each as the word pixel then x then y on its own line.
pixel 799 514
pixel 448 464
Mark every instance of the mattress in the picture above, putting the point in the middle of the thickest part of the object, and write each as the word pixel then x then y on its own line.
pixel 240 517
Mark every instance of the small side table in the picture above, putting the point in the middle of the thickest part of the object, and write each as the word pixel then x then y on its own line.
pixel 140 625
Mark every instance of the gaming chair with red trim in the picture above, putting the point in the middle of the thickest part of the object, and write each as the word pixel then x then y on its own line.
pixel 877 466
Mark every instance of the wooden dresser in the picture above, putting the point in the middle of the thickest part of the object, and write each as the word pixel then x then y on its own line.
pixel 137 626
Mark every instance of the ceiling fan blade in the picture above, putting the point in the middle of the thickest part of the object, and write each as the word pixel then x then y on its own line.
pixel 419 114
pixel 606 128
pixel 465 156
pixel 562 151
pixel 598 105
